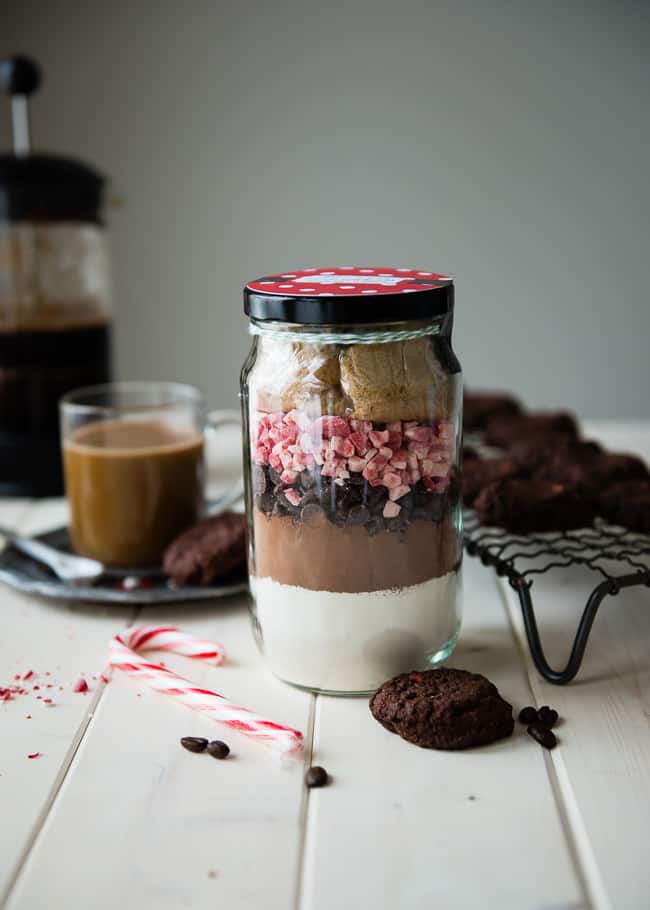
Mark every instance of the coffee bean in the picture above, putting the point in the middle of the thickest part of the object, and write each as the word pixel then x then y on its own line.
pixel 547 716
pixel 543 735
pixel 194 743
pixel 218 749
pixel 528 715
pixel 316 777
pixel 310 511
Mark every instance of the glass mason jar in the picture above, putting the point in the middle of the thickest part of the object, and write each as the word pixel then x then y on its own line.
pixel 351 400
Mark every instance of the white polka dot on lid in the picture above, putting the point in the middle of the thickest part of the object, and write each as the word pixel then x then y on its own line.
pixel 347 287
pixel 402 270
pixel 310 270
pixel 287 276
pixel 369 292
pixel 367 271
pixel 409 291
pixel 425 273
pixel 285 285
pixel 307 290
pixel 327 273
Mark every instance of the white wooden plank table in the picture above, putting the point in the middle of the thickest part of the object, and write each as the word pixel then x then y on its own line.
pixel 115 813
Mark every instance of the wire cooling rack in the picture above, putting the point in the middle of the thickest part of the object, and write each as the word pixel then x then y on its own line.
pixel 618 558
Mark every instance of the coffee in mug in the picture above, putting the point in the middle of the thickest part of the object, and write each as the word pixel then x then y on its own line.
pixel 133 459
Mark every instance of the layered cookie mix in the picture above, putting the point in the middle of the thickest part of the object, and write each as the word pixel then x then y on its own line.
pixel 352 399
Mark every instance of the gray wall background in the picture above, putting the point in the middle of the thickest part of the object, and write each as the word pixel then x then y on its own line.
pixel 504 142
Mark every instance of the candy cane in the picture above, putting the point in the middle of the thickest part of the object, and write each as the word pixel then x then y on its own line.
pixel 168 638
pixel 122 656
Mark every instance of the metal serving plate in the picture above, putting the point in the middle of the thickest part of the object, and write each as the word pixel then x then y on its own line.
pixel 25 574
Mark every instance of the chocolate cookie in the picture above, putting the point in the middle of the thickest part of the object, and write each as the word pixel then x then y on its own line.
pixel 479 407
pixel 479 472
pixel 536 453
pixel 504 431
pixel 443 709
pixel 210 549
pixel 628 505
pixel 525 506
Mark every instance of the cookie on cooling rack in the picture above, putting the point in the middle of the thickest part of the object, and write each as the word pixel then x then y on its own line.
pixel 504 431
pixel 627 504
pixel 537 453
pixel 478 473
pixel 209 550
pixel 443 709
pixel 526 506
pixel 479 407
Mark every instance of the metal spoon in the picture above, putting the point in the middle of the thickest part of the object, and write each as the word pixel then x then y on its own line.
pixel 68 567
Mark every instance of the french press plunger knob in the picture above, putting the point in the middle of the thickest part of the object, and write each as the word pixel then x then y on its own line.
pixel 19 78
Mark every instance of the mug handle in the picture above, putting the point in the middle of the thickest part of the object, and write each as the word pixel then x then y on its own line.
pixel 214 421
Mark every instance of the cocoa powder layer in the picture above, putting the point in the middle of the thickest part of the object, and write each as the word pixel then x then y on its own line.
pixel 323 557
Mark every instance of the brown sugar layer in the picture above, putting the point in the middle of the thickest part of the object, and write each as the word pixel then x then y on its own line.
pixel 322 557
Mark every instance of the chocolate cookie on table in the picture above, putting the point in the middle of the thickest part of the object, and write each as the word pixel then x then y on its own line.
pixel 211 549
pixel 443 709
pixel 526 506
pixel 627 504
pixel 479 407
pixel 503 431
pixel 478 473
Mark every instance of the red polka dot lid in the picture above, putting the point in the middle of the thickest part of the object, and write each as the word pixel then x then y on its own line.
pixel 349 294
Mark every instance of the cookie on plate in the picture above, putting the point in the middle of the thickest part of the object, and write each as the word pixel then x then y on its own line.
pixel 211 549
pixel 479 472
pixel 503 432
pixel 443 709
pixel 526 506
pixel 479 407
pixel 628 505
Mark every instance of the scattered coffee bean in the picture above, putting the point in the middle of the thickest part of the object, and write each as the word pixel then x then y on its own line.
pixel 194 743
pixel 547 716
pixel 316 776
pixel 218 749
pixel 543 735
pixel 528 715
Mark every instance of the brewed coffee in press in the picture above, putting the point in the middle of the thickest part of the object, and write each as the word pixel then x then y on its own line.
pixel 54 294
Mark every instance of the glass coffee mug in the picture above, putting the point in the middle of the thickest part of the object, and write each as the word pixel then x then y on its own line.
pixel 133 456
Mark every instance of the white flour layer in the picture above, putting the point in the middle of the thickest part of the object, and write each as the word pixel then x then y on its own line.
pixel 354 642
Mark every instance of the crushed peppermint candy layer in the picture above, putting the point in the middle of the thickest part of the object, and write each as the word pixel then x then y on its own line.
pixel 395 456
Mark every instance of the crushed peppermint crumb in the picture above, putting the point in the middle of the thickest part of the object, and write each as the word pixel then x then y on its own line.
pixel 34 755
pixel 28 675
pixel 80 686
pixel 28 717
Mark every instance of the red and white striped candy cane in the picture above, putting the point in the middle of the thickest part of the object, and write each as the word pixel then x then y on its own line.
pixel 122 657
pixel 169 638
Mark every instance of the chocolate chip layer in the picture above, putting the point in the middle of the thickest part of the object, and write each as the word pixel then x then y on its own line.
pixel 353 502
